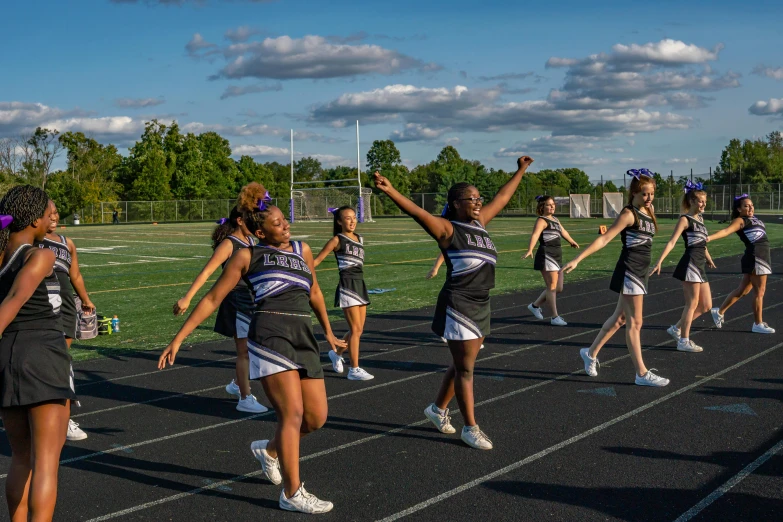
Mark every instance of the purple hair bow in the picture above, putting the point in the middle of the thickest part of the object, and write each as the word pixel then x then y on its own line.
pixel 638 173
pixel 331 210
pixel 222 221
pixel 690 185
pixel 262 203
pixel 5 220
pixel 538 198
pixel 741 196
pixel 445 210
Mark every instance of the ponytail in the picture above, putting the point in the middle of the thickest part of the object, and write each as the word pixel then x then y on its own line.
pixel 225 226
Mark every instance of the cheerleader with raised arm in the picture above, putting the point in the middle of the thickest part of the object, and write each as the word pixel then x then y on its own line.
pixel 756 263
pixel 692 268
pixel 462 313
pixel 548 230
pixel 636 225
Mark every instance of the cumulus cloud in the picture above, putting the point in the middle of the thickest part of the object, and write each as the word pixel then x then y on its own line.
pixel 260 129
pixel 416 132
pixel 506 77
pixel 310 57
pixel 264 151
pixel 236 90
pixel 771 107
pixel 776 73
pixel 241 34
pixel 138 103
pixel 680 161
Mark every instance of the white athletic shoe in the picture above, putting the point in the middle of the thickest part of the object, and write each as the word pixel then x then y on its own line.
pixel 74 431
pixel 558 321
pixel 475 438
pixel 444 340
pixel 762 328
pixel 250 405
pixel 233 389
pixel 442 421
pixel 716 317
pixel 536 311
pixel 481 347
pixel 269 465
pixel 304 502
pixel 650 379
pixel 358 374
pixel 674 332
pixel 686 345
pixel 337 361
pixel 591 365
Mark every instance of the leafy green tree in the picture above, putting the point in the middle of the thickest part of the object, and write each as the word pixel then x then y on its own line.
pixel 149 166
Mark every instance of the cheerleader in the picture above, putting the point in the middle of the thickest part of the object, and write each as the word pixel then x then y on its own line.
pixel 462 312
pixel 283 350
pixel 66 268
pixel 435 267
pixel 756 263
pixel 549 257
pixel 35 380
pixel 692 268
pixel 351 294
pixel 233 317
pixel 636 225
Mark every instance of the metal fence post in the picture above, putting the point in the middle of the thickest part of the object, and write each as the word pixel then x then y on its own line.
pixel 176 210
pixel 202 210
pixel 152 213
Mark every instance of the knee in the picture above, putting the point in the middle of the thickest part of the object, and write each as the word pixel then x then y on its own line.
pixel 465 373
pixel 313 421
pixel 356 330
pixel 635 323
pixel 293 416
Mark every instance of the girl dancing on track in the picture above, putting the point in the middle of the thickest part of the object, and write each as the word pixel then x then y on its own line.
pixel 756 262
pixel 462 314
pixel 636 225
pixel 66 268
pixel 351 294
pixel 233 317
pixel 549 257
pixel 283 351
pixel 35 367
pixel 692 268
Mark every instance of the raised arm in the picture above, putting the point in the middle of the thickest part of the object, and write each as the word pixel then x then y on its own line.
pixel 501 199
pixel 736 225
pixel 317 302
pixel 682 224
pixel 328 248
pixel 624 220
pixel 77 281
pixel 537 229
pixel 440 229
pixel 38 265
pixel 567 237
pixel 219 256
pixel 236 267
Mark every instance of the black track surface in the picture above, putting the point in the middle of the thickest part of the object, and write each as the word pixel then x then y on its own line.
pixel 171 446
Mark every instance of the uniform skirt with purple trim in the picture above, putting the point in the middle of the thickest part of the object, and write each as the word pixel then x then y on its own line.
pixel 462 316
pixel 283 341
pixel 351 292
pixel 234 315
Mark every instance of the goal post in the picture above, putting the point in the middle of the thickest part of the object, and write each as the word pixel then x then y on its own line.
pixel 613 204
pixel 580 205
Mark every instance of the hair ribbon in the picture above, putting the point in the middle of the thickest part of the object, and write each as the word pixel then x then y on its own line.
pixel 331 210
pixel 737 198
pixel 222 221
pixel 5 220
pixel 445 210
pixel 689 186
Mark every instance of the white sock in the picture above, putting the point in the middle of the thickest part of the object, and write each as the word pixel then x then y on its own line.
pixel 684 340
pixel 438 410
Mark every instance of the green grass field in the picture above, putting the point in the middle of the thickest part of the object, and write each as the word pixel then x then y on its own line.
pixel 138 272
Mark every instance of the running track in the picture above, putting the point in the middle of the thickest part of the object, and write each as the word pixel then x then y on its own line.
pixel 170 445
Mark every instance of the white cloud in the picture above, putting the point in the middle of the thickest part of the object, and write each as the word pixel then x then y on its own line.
pixel 614 150
pixel 259 151
pixel 416 132
pixel 235 130
pixel 667 51
pixel 680 161
pixel 138 103
pixel 197 43
pixel 241 34
pixel 771 107
pixel 233 91
pixel 776 73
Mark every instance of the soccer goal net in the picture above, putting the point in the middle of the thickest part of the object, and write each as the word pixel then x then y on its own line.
pixel 580 205
pixel 311 204
pixel 613 204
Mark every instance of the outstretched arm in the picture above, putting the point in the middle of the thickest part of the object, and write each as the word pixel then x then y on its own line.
pixel 77 281
pixel 35 269
pixel 567 237
pixel 501 199
pixel 735 226
pixel 682 224
pixel 624 220
pixel 328 248
pixel 219 256
pixel 537 229
pixel 317 302
pixel 440 229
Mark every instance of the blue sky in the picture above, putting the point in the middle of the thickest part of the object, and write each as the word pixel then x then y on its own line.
pixel 603 86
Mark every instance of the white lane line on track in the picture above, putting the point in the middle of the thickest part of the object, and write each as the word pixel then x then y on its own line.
pixel 419 423
pixel 733 481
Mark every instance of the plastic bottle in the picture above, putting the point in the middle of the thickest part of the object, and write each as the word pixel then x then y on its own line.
pixel 115 325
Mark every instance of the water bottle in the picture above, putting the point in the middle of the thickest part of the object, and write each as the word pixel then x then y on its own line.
pixel 115 325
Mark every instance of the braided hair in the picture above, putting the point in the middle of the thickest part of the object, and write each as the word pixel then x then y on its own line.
pixel 223 229
pixel 247 203
pixel 25 203
pixel 457 191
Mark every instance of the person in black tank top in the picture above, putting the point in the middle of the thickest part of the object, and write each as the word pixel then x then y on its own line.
pixel 351 294
pixel 636 225
pixel 756 263
pixel 285 355
pixel 35 381
pixel 549 256
pixel 236 310
pixel 462 313
pixel 692 268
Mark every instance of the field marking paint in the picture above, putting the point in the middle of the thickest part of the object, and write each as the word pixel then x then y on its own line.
pixel 377 436
pixel 733 481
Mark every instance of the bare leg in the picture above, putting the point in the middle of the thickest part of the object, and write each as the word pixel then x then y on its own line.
pixel 633 305
pixel 242 367
pixel 610 326
pixel 458 380
pixel 355 316
pixel 552 284
pixel 759 283
pixel 704 304
pixel 692 292
pixel 17 485
pixel 48 426
pixel 741 291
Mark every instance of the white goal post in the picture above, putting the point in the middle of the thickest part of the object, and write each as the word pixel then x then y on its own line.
pixel 580 205
pixel 613 204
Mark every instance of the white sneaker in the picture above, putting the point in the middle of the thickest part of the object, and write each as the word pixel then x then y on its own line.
pixel 686 345
pixel 558 321
pixel 716 317
pixel 75 432
pixel 481 347
pixel 304 502
pixel 337 361
pixel 650 379
pixel 442 421
pixel 444 340
pixel 269 465
pixel 358 374
pixel 250 405
pixel 233 389
pixel 536 311
pixel 762 328
pixel 591 365
pixel 475 438
pixel 674 332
